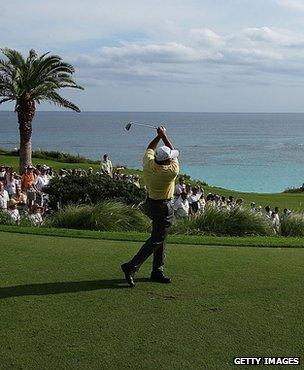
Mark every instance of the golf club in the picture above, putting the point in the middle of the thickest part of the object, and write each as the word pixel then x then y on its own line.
pixel 128 126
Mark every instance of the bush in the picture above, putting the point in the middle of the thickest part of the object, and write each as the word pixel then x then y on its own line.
pixel 92 190
pixel 106 216
pixel 62 157
pixel 237 222
pixel 5 218
pixel 294 190
pixel 71 217
pixel 292 225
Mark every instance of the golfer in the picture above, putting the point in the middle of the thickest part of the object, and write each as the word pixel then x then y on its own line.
pixel 161 168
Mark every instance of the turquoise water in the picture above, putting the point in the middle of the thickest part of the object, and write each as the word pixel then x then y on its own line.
pixel 241 151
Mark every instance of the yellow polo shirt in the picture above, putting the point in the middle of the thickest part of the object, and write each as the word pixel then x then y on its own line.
pixel 159 179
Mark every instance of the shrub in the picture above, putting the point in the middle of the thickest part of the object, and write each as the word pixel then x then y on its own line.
pixel 5 218
pixel 92 189
pixel 117 216
pixel 237 222
pixel 294 190
pixel 106 216
pixel 71 217
pixel 292 225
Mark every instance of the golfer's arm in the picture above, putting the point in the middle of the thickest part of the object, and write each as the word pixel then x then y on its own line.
pixel 154 143
pixel 167 142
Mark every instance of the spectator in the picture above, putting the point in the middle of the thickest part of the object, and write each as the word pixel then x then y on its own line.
pixel 181 205
pixel 4 197
pixel 28 178
pixel 13 211
pixel 36 215
pixel 106 166
pixel 253 207
pixel 20 198
pixel 11 182
pixel 136 181
pixel 194 200
pixel 2 173
pixel 267 213
pixel 223 202
pixel 286 213
pixel 179 187
pixel 275 220
pixel 90 171
pixel 239 202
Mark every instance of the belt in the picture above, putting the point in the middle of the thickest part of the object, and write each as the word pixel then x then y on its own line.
pixel 158 200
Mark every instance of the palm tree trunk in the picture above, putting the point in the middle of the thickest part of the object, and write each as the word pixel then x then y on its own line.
pixel 26 111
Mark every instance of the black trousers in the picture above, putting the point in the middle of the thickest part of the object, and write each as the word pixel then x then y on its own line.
pixel 161 213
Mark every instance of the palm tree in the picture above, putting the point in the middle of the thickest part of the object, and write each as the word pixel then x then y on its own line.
pixel 28 82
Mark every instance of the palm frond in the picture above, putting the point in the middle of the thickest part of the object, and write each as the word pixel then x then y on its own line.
pixel 14 57
pixel 36 77
pixel 56 99
pixel 4 100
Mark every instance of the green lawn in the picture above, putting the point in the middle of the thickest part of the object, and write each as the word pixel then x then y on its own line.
pixel 64 305
pixel 134 236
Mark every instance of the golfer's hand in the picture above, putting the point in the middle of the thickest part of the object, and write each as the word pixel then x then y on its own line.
pixel 161 131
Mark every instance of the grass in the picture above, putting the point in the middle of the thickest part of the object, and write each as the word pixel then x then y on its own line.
pixel 237 222
pixel 14 162
pixel 64 305
pixel 105 216
pixel 133 236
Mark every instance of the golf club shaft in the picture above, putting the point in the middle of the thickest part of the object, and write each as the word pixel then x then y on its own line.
pixel 144 124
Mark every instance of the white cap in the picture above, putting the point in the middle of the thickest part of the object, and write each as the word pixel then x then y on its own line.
pixel 164 152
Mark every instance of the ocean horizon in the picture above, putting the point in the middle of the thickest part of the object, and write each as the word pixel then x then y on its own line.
pixel 254 152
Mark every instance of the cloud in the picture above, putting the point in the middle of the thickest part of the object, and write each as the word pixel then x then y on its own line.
pixel 205 56
pixel 292 4
pixel 206 36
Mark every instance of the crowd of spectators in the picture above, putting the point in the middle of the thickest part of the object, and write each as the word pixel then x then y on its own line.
pixel 22 195
pixel 191 200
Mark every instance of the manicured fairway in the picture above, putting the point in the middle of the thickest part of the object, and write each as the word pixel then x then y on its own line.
pixel 64 305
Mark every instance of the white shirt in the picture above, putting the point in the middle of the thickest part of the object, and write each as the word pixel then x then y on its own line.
pixel 181 207
pixel 268 215
pixel 36 218
pixel 11 186
pixel 15 216
pixel 106 166
pixel 41 181
pixel 195 198
pixel 275 220
pixel 178 189
pixel 4 198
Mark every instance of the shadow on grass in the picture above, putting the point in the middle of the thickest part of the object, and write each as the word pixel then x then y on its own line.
pixel 64 287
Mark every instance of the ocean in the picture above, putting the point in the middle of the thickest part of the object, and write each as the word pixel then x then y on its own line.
pixel 255 152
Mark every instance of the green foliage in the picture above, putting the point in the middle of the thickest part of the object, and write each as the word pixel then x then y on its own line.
pixel 92 189
pixel 71 217
pixel 5 218
pixel 237 222
pixel 292 225
pixel 294 190
pixel 35 78
pixel 62 157
pixel 106 216
pixel 52 155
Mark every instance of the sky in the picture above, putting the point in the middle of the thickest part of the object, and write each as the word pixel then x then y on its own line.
pixel 169 55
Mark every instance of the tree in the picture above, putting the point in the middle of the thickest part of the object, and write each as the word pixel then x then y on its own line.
pixel 30 81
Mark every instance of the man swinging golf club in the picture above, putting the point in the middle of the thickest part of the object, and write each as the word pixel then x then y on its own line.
pixel 160 167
